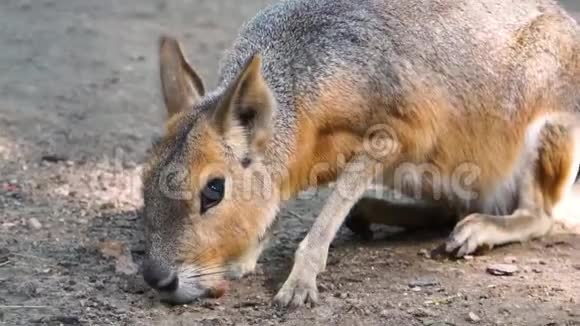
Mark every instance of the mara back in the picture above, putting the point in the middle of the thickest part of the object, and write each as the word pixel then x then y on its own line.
pixel 387 50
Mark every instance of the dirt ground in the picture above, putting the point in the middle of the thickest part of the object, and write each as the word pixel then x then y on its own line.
pixel 79 106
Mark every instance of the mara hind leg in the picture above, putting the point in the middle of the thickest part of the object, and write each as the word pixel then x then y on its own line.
pixel 567 213
pixel 544 187
pixel 409 216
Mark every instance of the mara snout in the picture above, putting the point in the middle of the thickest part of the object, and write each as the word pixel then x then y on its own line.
pixel 468 106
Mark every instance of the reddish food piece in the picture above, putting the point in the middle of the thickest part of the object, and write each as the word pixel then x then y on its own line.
pixel 218 290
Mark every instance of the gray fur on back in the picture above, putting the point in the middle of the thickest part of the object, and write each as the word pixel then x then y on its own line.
pixel 304 41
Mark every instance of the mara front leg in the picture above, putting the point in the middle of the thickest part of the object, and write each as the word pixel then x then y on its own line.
pixel 310 258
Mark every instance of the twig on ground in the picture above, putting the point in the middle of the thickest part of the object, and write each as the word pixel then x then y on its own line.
pixel 45 261
pixel 294 214
pixel 25 307
pixel 29 256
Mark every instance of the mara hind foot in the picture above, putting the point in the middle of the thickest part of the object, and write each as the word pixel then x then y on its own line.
pixel 544 187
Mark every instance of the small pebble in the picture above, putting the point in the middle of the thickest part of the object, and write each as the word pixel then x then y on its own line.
pixel 34 223
pixel 423 282
pixel 472 317
pixel 502 269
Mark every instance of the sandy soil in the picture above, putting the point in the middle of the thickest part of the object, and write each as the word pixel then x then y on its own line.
pixel 79 106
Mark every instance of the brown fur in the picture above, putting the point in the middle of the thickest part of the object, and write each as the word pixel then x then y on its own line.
pixel 555 158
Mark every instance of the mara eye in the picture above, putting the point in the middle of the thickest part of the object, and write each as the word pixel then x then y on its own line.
pixel 212 194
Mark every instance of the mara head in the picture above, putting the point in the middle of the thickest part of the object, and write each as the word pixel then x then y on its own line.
pixel 208 199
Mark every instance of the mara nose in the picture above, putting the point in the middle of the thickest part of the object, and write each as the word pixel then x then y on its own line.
pixel 159 277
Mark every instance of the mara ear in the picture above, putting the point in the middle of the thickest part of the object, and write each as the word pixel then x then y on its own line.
pixel 244 113
pixel 181 86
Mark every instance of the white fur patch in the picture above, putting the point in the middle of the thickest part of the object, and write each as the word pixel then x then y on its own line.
pixel 567 211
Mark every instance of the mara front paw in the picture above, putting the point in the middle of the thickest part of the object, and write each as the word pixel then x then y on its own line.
pixel 298 291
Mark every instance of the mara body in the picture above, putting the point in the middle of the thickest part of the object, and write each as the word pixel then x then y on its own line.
pixel 469 106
